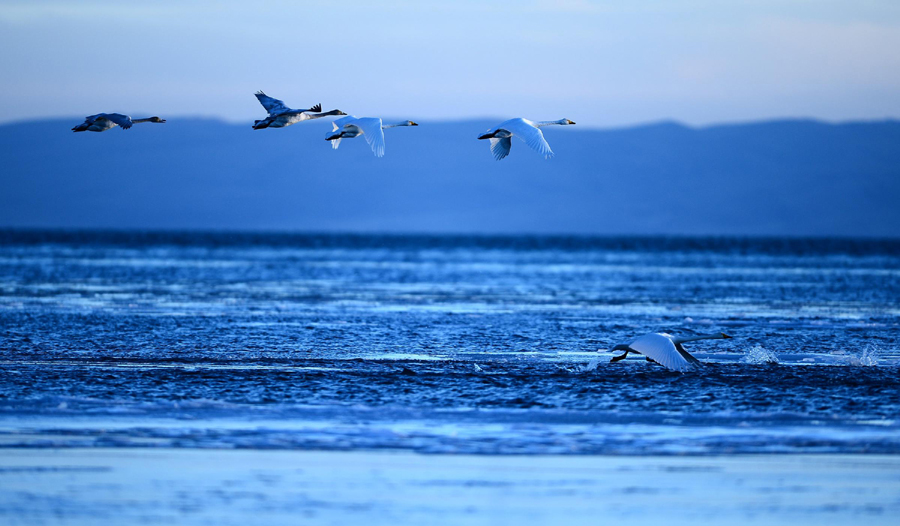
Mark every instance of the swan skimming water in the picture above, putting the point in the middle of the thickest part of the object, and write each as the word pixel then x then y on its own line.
pixel 371 128
pixel 665 349
pixel 281 116
pixel 529 131
pixel 107 121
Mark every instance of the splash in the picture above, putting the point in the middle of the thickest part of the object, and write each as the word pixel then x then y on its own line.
pixel 867 358
pixel 588 367
pixel 759 355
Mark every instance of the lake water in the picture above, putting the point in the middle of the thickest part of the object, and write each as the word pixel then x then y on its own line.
pixel 469 345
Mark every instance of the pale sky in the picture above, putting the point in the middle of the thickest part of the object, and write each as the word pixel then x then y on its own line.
pixel 601 64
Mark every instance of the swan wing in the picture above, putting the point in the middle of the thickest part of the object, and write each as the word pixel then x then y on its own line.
pixel 530 134
pixel 340 123
pixel 335 143
pixel 310 113
pixel 660 349
pixel 122 120
pixel 500 147
pixel 272 105
pixel 373 133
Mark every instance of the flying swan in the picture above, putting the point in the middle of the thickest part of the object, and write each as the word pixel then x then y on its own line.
pixel 665 349
pixel 371 128
pixel 281 116
pixel 527 130
pixel 107 121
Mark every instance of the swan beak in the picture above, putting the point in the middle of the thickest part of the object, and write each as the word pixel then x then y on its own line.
pixel 571 122
pixel 727 337
pixel 162 120
pixel 411 123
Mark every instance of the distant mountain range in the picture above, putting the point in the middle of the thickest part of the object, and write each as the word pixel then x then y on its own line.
pixel 772 178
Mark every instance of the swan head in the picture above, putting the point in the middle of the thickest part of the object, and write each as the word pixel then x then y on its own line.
pixel 157 119
pixel 411 123
pixel 726 337
pixel 567 121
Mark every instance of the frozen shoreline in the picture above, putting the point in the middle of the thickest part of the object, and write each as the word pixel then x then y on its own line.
pixel 223 486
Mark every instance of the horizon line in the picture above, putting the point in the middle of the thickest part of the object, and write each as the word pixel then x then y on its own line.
pixel 6 230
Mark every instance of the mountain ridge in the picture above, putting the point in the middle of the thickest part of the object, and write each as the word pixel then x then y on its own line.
pixel 792 177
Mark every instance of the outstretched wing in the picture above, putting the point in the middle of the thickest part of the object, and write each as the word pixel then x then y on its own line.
pixel 661 350
pixel 500 147
pixel 122 120
pixel 315 109
pixel 273 106
pixel 373 133
pixel 531 135
pixel 340 123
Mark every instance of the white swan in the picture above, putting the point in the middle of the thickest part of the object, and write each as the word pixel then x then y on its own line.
pixel 527 130
pixel 281 116
pixel 371 128
pixel 106 121
pixel 665 349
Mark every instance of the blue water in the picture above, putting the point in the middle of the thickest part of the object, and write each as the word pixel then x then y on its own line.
pixel 446 344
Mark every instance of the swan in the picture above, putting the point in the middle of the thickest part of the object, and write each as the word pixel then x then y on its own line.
pixel 107 121
pixel 666 349
pixel 371 128
pixel 281 116
pixel 528 131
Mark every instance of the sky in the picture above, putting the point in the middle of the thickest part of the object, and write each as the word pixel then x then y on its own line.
pixel 602 64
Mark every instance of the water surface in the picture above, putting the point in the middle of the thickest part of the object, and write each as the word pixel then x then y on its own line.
pixel 446 344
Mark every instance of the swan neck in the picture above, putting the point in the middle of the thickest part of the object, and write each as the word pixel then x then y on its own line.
pixel 548 123
pixel 320 115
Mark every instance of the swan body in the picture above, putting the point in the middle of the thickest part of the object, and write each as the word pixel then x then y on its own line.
pixel 107 121
pixel 529 131
pixel 371 128
pixel 281 116
pixel 666 350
